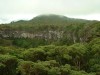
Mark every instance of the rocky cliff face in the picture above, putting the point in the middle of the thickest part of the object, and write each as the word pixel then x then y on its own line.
pixel 47 35
pixel 24 34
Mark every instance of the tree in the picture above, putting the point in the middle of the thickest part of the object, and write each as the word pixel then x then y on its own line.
pixel 25 68
pixel 77 51
pixel 65 70
pixel 8 65
pixel 34 54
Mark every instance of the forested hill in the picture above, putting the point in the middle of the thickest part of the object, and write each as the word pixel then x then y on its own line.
pixel 50 45
pixel 47 29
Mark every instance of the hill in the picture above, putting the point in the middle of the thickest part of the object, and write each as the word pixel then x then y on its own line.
pixel 50 45
pixel 47 29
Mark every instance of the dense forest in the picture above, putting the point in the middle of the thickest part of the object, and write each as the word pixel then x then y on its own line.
pixel 50 45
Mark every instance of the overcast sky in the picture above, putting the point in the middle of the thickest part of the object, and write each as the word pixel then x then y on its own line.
pixel 12 10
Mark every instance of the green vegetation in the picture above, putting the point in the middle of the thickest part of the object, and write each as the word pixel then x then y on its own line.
pixel 67 47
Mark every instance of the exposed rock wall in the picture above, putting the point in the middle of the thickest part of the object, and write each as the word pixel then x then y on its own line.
pixel 23 34
pixel 47 35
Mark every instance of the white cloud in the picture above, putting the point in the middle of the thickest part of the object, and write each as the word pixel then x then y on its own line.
pixel 15 17
pixel 95 16
pixel 26 9
pixel 92 17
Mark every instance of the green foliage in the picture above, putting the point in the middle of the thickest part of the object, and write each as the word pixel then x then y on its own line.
pixel 62 46
pixel 50 60
pixel 65 69
pixel 8 65
pixel 80 73
pixel 77 51
pixel 34 54
pixel 5 42
pixel 25 68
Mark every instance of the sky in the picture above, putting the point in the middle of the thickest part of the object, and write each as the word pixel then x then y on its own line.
pixel 13 10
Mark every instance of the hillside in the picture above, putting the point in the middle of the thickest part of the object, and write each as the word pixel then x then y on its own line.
pixel 51 29
pixel 50 45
